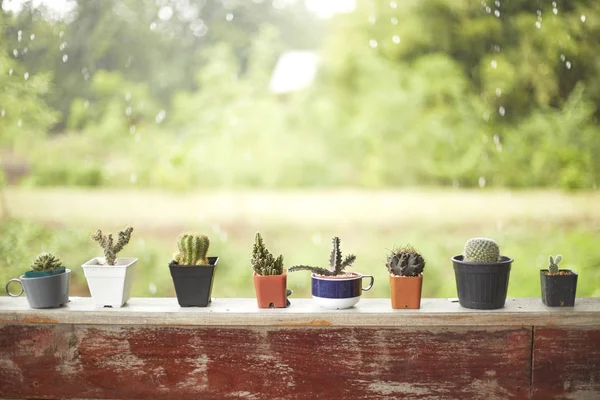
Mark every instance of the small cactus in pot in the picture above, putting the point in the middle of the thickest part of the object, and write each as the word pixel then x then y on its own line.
pixel 337 264
pixel 559 286
pixel 553 267
pixel 45 264
pixel 405 266
pixel 405 261
pixel 481 250
pixel 270 278
pixel 193 249
pixel 110 248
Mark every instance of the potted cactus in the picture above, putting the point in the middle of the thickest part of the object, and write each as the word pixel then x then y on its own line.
pixel 46 285
pixel 109 278
pixel 192 271
pixel 405 266
pixel 559 286
pixel 270 278
pixel 482 275
pixel 334 288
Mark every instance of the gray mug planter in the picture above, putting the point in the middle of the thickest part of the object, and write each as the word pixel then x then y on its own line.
pixel 50 291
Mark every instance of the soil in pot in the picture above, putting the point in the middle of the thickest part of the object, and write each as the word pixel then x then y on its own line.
pixel 405 291
pixel 271 290
pixel 482 286
pixel 193 283
pixel 559 290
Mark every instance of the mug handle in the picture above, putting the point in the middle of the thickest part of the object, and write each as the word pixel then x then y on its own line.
pixel 370 284
pixel 12 294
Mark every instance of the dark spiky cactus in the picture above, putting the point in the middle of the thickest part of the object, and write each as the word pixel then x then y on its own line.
pixel 106 242
pixel 553 267
pixel 46 262
pixel 337 264
pixel 405 261
pixel 263 261
pixel 193 248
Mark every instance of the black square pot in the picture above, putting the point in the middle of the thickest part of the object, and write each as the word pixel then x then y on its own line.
pixel 558 290
pixel 482 286
pixel 193 283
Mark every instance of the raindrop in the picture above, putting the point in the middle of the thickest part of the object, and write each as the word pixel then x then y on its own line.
pixel 568 64
pixel 494 64
pixel 498 92
pixel 153 26
pixel 26 76
pixel 481 182
pixel 538 24
pixel 65 58
pixel 488 10
pixel 497 13
pixel 62 46
pixel 2 113
pixel 396 39
pixel 16 53
pixel 19 35
pixel 19 123
pixel 582 18
pixel 393 4
pixel 10 71
pixel 372 19
pixel 394 21
pixel 373 43
pixel 229 17
pixel 165 13
pixel 128 111
pixel 562 58
pixel 161 116
pixel 501 111
pixel 133 177
pixel 32 37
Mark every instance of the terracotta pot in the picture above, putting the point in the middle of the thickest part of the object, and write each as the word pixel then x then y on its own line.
pixel 271 290
pixel 405 291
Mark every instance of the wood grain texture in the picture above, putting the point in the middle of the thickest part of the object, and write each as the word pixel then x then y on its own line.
pixel 566 363
pixel 303 312
pixel 90 361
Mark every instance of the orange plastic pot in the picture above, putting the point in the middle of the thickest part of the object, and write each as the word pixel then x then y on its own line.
pixel 405 291
pixel 271 290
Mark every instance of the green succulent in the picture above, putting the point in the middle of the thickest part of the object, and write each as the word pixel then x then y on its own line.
pixel 193 248
pixel 46 262
pixel 481 250
pixel 263 261
pixel 337 264
pixel 553 267
pixel 405 261
pixel 106 242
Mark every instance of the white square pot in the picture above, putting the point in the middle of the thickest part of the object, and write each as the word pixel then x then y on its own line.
pixel 110 285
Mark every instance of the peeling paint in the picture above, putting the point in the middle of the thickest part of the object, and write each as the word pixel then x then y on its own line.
pixel 395 388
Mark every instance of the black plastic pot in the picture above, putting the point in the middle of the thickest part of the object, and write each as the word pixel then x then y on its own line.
pixel 193 283
pixel 558 290
pixel 482 286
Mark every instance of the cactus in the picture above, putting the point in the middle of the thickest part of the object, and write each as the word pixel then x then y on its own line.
pixel 46 262
pixel 106 242
pixel 553 267
pixel 481 250
pixel 193 248
pixel 263 261
pixel 405 261
pixel 337 264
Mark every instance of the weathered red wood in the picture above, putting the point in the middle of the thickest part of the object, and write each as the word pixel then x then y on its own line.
pixel 66 361
pixel 566 363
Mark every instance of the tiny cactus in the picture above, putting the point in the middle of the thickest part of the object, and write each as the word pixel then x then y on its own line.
pixel 46 262
pixel 106 242
pixel 405 261
pixel 337 264
pixel 263 261
pixel 553 267
pixel 192 249
pixel 481 250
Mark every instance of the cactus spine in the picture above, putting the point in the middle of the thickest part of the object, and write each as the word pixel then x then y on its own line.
pixel 192 249
pixel 46 262
pixel 106 242
pixel 337 264
pixel 405 261
pixel 481 250
pixel 553 267
pixel 263 261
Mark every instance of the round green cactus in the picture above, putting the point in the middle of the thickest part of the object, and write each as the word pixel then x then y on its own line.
pixel 481 250
pixel 192 249
pixel 46 262
pixel 405 261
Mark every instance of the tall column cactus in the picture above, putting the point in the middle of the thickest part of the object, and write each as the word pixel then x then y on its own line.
pixel 106 242
pixel 263 261
pixel 192 249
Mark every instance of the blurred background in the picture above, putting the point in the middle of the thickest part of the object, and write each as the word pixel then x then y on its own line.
pixel 387 123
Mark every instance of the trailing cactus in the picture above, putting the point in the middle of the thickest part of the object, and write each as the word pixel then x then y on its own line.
pixel 553 267
pixel 263 261
pixel 106 242
pixel 337 264
pixel 193 248
pixel 46 262
pixel 405 261
pixel 481 250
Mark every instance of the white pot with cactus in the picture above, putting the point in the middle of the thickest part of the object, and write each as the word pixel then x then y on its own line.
pixel 109 278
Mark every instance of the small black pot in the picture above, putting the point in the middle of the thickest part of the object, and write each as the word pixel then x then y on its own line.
pixel 193 283
pixel 482 286
pixel 558 290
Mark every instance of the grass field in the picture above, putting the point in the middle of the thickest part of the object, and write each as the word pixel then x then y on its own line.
pixel 300 224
